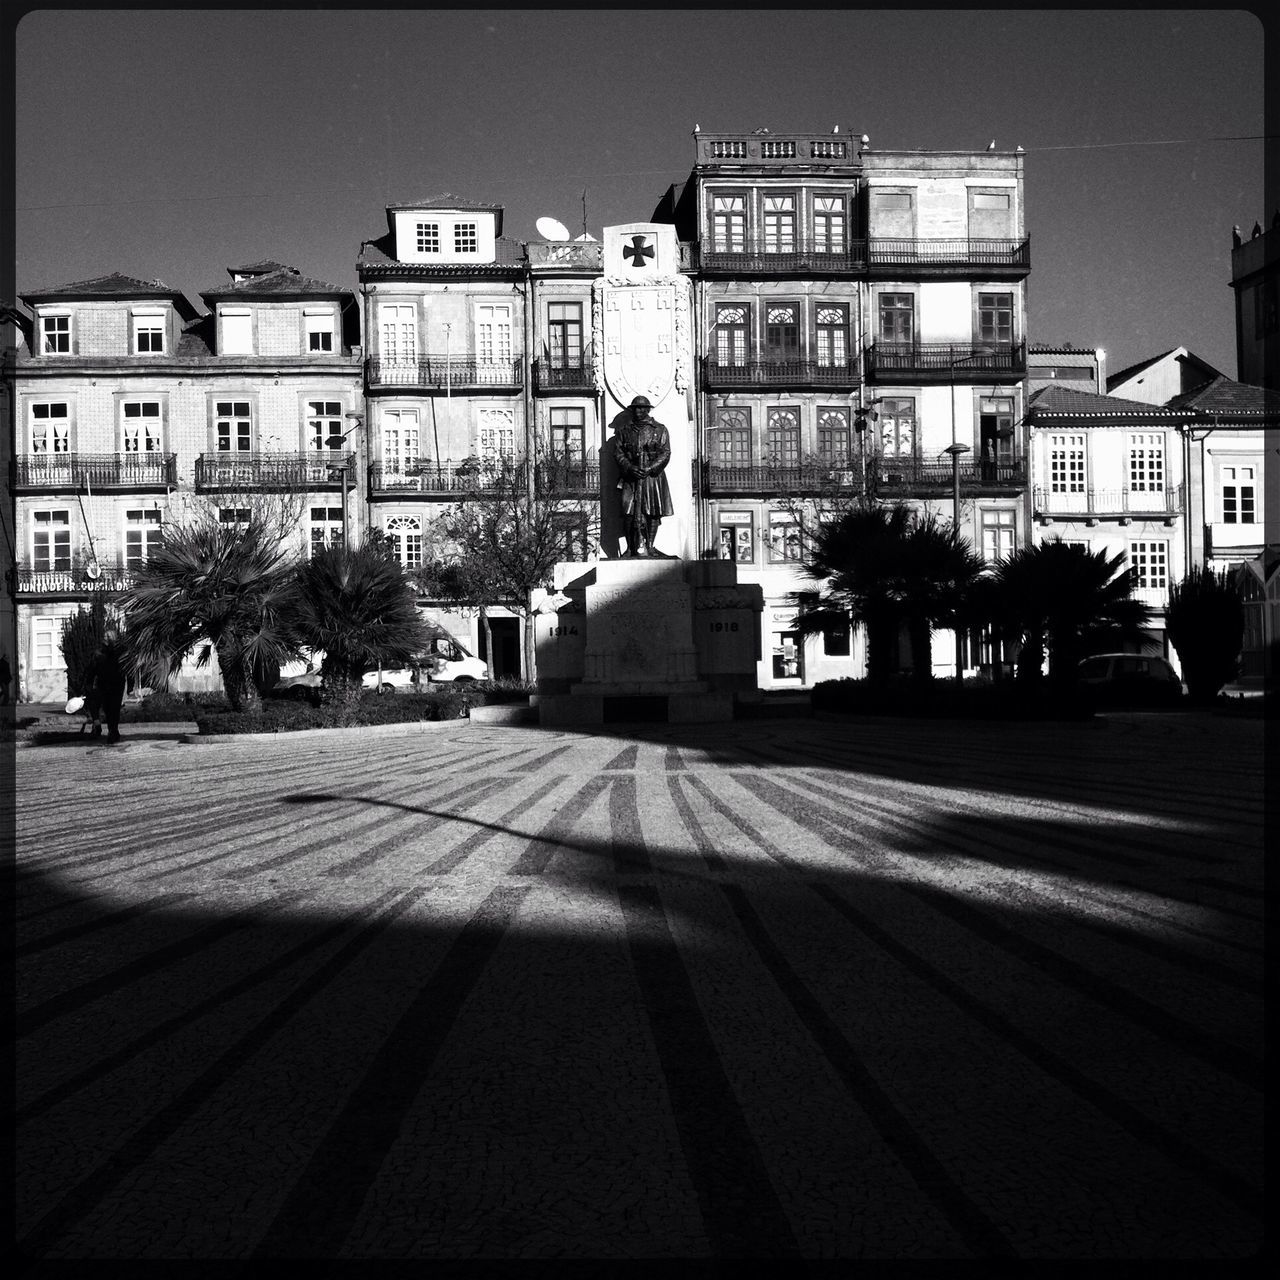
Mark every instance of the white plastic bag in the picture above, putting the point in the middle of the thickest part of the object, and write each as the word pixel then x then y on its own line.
pixel 74 705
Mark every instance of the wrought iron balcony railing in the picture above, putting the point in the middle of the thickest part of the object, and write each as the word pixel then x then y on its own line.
pixel 72 581
pixel 783 256
pixel 1091 503
pixel 128 471
pixel 904 251
pixel 441 372
pixel 568 478
pixel 244 470
pixel 781 373
pixel 446 476
pixel 826 475
pixel 560 377
pixel 946 361
pixel 906 476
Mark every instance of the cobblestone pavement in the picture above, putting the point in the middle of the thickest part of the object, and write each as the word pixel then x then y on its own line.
pixel 780 989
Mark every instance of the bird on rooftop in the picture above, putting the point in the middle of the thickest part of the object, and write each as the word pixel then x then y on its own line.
pixel 991 146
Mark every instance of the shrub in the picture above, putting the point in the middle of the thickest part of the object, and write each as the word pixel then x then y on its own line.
pixel 280 716
pixel 506 689
pixel 944 700
pixel 81 635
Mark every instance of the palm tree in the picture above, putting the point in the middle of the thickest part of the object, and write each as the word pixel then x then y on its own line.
pixel 1062 599
pixel 356 605
pixel 887 567
pixel 224 586
pixel 1205 622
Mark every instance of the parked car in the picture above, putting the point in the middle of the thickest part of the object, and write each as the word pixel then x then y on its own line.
pixel 445 661
pixel 1130 678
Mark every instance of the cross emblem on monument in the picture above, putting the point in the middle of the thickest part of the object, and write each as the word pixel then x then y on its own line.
pixel 637 251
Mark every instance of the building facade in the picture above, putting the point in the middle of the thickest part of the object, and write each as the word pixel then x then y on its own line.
pixel 133 410
pixel 1255 279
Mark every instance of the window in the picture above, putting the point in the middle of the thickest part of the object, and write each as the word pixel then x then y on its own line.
pixel 784 537
pixel 568 434
pixel 233 515
pixel 399 333
pixel 1238 495
pixel 731 438
pixel 466 238
pixel 148 332
pixel 51 541
pixel 1151 560
pixel 427 237
pixel 237 332
pixel 828 224
pixel 995 317
pixel 893 214
pixel 46 644
pixel 788 656
pixel 141 537
pixel 55 335
pixel 1066 464
pixel 736 537
pixel 319 326
pixel 564 335
pixel 1146 463
pixel 897 317
pixel 995 430
pixel 731 336
pixel 140 426
pixel 399 440
pixel 50 428
pixel 326 528
pixel 405 533
pixel 493 333
pixel 990 215
pixel 898 427
pixel 999 535
pixel 233 426
pixel 782 333
pixel 570 529
pixel 832 332
pixel 783 437
pixel 497 434
pixel 833 436
pixel 779 224
pixel 729 223
pixel 836 641
pixel 324 424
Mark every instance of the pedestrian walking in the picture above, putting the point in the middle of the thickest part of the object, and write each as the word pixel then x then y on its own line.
pixel 106 683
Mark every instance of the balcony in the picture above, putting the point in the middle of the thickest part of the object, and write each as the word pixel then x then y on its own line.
pixel 551 377
pixel 466 477
pixel 130 472
pixel 568 478
pixel 445 373
pixel 572 255
pixel 780 373
pixel 814 476
pixel 244 470
pixel 889 478
pixel 909 257
pixel 788 258
pixel 946 361
pixel 1233 541
pixel 71 582
pixel 1108 504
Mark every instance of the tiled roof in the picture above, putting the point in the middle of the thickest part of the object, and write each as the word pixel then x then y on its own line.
pixel 197 338
pixel 1066 400
pixel 1226 396
pixel 283 283
pixel 446 200
pixel 1049 349
pixel 113 286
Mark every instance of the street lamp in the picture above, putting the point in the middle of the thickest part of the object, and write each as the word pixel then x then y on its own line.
pixel 863 416
pixel 955 450
pixel 358 420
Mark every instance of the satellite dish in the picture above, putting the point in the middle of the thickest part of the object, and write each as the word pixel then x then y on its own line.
pixel 583 238
pixel 550 229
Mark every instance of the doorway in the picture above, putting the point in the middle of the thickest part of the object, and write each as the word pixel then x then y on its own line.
pixel 505 659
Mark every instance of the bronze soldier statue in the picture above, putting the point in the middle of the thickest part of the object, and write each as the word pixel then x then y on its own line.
pixel 643 449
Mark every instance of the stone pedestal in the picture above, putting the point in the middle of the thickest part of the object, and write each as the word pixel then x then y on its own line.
pixel 667 640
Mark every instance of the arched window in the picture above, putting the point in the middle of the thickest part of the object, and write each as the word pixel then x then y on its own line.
pixel 405 533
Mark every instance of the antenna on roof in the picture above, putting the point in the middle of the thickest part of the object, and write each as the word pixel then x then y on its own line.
pixel 552 229
pixel 584 213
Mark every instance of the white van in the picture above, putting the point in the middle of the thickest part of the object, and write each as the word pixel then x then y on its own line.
pixel 445 660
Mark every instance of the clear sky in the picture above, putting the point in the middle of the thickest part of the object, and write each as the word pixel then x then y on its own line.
pixel 173 144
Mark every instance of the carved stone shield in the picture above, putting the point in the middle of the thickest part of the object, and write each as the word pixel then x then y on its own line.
pixel 639 341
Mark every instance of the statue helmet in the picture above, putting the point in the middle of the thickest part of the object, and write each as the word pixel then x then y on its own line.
pixel 644 400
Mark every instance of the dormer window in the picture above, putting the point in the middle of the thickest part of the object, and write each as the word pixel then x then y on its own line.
pixel 428 237
pixel 237 332
pixel 55 335
pixel 466 238
pixel 319 331
pixel 148 332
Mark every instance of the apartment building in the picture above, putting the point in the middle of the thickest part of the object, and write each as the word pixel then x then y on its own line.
pixel 1255 279
pixel 133 410
pixel 859 314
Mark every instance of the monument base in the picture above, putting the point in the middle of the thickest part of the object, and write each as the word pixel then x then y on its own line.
pixel 647 640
